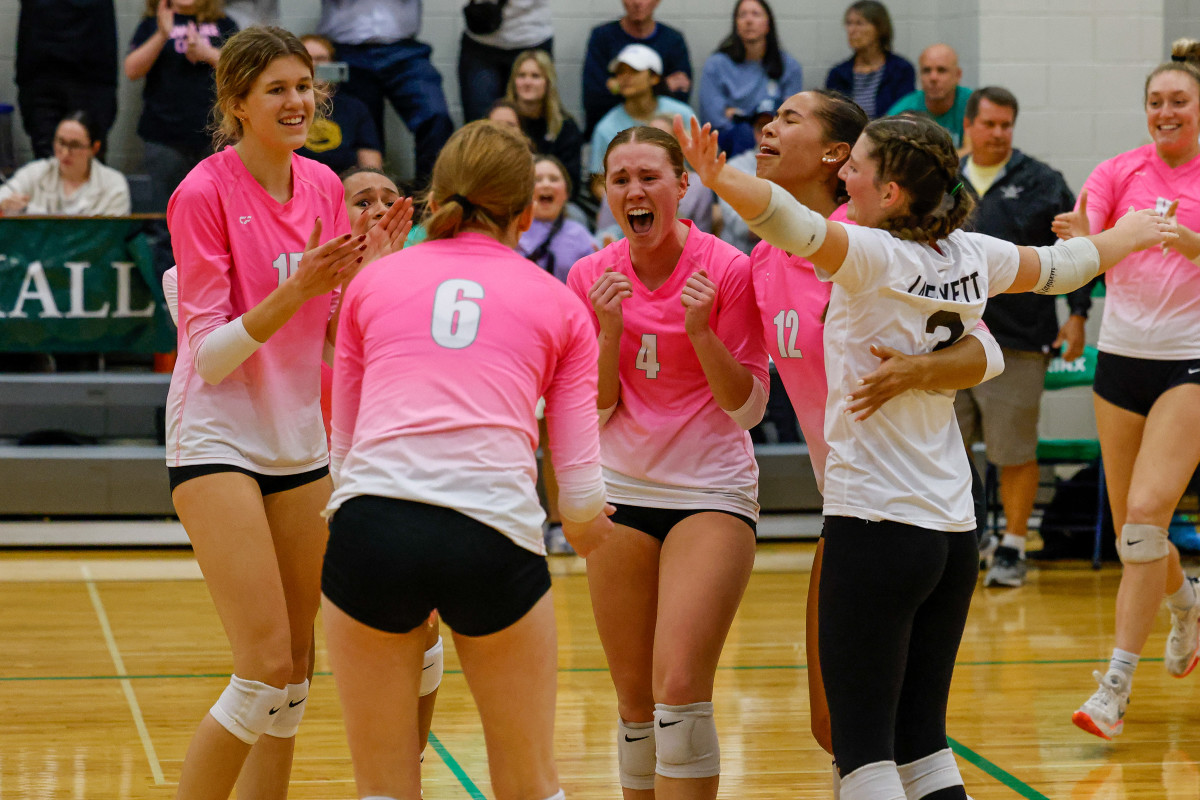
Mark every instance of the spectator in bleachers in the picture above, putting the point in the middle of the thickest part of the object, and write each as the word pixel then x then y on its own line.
pixel 874 77
pixel 66 60
pixel 505 113
pixel 697 205
pixel 175 48
pixel 345 137
pixel 940 96
pixel 70 182
pixel 748 73
pixel 638 26
pixel 533 87
pixel 553 241
pixel 486 57
pixel 637 70
pixel 378 39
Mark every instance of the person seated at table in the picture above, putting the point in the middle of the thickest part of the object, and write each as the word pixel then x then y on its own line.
pixel 71 182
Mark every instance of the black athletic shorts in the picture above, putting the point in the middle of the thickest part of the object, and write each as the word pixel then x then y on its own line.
pixel 391 562
pixel 658 522
pixel 1135 383
pixel 267 484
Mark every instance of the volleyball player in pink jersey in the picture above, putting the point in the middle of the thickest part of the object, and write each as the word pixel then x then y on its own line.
pixel 898 511
pixel 442 353
pixel 246 451
pixel 1147 387
pixel 683 377
pixel 803 149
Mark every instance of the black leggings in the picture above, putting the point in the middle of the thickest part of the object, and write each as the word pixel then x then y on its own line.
pixel 893 604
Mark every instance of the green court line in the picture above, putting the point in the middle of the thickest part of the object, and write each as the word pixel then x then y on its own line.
pixel 454 766
pixel 741 668
pixel 1008 779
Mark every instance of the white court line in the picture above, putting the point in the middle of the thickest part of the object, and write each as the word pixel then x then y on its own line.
pixel 119 663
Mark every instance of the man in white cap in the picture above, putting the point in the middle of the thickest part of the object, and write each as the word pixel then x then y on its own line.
pixel 637 75
pixel 638 26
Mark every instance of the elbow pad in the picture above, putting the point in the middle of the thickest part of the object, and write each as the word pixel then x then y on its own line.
pixel 995 356
pixel 224 350
pixel 789 224
pixel 170 284
pixel 1067 266
pixel 751 412
pixel 581 493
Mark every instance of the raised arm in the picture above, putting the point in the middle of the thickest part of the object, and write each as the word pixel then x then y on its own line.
pixel 772 213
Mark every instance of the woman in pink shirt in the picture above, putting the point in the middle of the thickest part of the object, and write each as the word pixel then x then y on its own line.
pixel 683 377
pixel 246 451
pixel 1147 388
pixel 442 353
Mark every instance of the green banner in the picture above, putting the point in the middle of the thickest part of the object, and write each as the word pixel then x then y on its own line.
pixel 80 285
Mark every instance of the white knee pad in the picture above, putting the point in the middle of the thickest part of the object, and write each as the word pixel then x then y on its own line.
pixel 635 754
pixel 431 673
pixel 1141 544
pixel 875 781
pixel 686 740
pixel 930 774
pixel 287 721
pixel 247 708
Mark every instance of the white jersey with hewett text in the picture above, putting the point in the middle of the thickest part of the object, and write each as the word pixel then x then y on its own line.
pixel 234 244
pixel 905 463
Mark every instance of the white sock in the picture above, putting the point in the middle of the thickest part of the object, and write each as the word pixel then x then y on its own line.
pixel 1015 542
pixel 559 795
pixel 1124 661
pixel 930 774
pixel 876 781
pixel 1182 598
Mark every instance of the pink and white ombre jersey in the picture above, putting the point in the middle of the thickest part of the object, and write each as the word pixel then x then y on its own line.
pixel 667 431
pixel 234 244
pixel 443 350
pixel 791 301
pixel 1152 307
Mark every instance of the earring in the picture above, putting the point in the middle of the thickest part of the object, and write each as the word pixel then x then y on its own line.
pixel 828 160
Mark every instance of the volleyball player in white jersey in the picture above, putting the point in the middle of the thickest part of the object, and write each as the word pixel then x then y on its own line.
pixel 443 351
pixel 246 449
pixel 683 377
pixel 1147 387
pixel 897 489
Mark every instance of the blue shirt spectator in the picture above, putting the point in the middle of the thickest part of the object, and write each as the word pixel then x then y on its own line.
pixel 748 74
pixel 874 76
pixel 636 27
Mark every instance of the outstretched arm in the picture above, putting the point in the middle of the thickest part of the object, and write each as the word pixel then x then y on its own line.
pixel 772 213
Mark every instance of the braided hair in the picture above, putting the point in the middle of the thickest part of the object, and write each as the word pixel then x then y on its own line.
pixel 918 154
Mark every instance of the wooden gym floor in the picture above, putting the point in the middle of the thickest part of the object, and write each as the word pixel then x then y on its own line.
pixel 110 658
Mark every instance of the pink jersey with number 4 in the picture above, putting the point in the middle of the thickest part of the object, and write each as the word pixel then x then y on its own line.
pixel 442 353
pixel 1152 309
pixel 667 428
pixel 234 244
pixel 792 300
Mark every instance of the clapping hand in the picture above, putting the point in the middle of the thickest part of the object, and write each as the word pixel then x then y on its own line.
pixel 385 232
pixel 1070 224
pixel 325 266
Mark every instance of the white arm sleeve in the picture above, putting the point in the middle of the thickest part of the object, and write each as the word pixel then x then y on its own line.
pixel 1067 266
pixel 581 493
pixel 789 225
pixel 991 348
pixel 605 413
pixel 224 350
pixel 751 412
pixel 171 293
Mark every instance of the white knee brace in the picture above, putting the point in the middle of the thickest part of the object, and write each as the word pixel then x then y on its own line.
pixel 247 708
pixel 635 754
pixel 686 739
pixel 1141 544
pixel 431 673
pixel 287 721
pixel 876 781
pixel 930 774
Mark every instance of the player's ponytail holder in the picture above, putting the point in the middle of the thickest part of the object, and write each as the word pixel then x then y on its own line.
pixel 467 205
